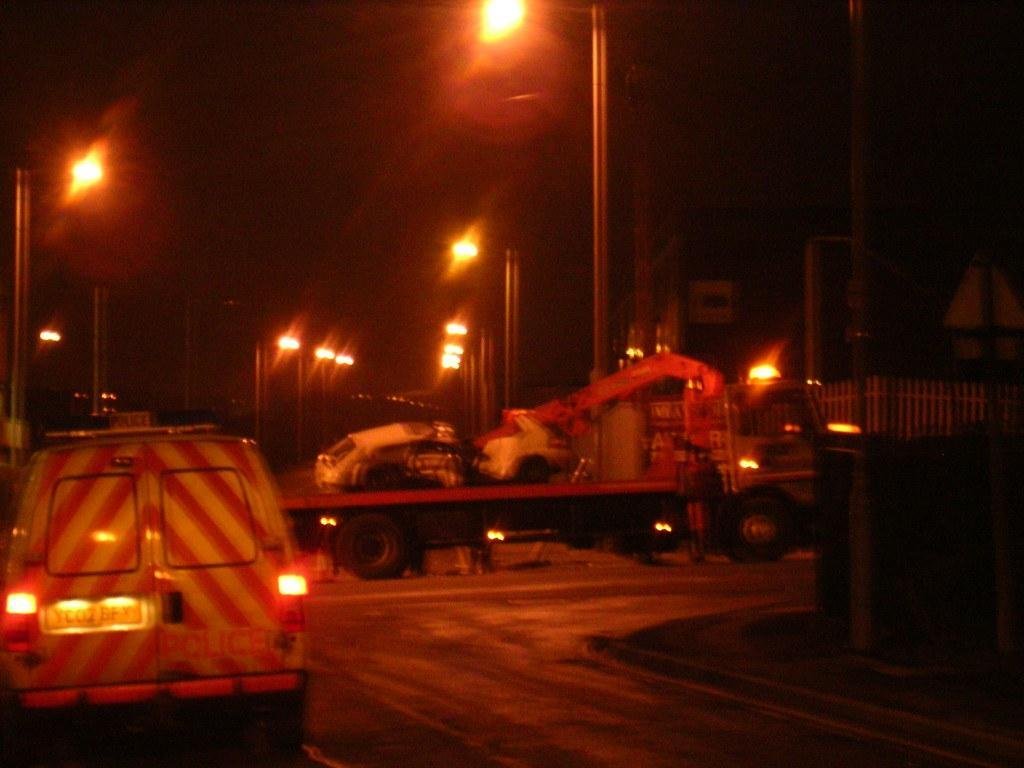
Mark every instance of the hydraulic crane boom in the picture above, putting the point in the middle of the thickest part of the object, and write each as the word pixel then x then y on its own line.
pixel 572 413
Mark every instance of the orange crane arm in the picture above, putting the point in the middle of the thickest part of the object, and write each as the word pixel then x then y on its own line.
pixel 572 413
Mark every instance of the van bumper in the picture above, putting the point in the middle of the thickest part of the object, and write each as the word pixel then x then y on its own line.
pixel 254 687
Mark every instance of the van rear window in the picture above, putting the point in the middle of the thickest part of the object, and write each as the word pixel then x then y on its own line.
pixel 93 525
pixel 207 518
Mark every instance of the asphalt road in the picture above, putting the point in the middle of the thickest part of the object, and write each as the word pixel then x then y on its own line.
pixel 452 670
pixel 495 670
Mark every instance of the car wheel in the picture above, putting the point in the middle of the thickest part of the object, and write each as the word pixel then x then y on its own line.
pixel 373 547
pixel 761 528
pixel 534 469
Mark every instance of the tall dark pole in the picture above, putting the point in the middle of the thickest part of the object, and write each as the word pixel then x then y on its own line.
pixel 22 227
pixel 511 325
pixel 600 160
pixel 861 539
pixel 258 394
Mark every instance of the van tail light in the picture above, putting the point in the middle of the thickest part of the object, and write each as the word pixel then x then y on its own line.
pixel 290 589
pixel 20 621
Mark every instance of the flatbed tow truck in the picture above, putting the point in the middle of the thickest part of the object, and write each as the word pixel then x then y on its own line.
pixel 379 534
pixel 740 456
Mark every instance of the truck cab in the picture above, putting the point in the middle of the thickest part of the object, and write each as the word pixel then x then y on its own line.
pixel 764 449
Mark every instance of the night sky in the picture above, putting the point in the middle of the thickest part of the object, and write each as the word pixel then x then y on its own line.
pixel 278 162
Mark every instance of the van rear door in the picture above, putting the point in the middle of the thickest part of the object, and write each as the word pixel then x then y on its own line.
pixel 219 560
pixel 87 562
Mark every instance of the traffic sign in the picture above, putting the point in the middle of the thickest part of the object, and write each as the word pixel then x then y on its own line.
pixel 985 300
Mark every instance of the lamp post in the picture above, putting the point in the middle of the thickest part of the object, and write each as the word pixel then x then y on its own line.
pixel 501 17
pixel 288 343
pixel 467 250
pixel 85 173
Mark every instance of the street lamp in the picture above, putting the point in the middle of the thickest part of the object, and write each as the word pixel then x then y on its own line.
pixel 499 19
pixel 84 173
pixel 466 250
pixel 599 117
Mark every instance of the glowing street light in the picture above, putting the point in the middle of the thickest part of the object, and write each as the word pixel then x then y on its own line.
pixel 456 328
pixel 49 336
pixel 344 359
pixel 465 250
pixel 324 353
pixel 501 18
pixel 288 343
pixel 86 172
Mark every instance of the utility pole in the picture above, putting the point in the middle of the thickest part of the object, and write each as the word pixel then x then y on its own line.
pixel 861 534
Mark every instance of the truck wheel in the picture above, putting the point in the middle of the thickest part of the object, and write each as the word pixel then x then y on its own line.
pixel 761 528
pixel 373 547
pixel 534 469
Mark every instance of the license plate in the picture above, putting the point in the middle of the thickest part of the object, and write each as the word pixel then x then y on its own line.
pixel 83 615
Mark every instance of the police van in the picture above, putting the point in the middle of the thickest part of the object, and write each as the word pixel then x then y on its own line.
pixel 150 568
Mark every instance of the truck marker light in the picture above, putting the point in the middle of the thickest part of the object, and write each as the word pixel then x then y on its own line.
pixel 843 428
pixel 763 373
pixel 495 536
pixel 748 463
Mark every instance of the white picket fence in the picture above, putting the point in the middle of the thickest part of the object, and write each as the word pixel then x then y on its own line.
pixel 907 408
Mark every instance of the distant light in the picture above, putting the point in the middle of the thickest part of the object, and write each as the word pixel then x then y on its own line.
pixel 451 362
pixel 465 250
pixel 454 349
pixel 493 535
pixel 748 463
pixel 329 521
pixel 288 342
pixel 501 18
pixel 662 527
pixel 456 329
pixel 342 359
pixel 634 353
pixel 49 335
pixel 324 353
pixel 763 372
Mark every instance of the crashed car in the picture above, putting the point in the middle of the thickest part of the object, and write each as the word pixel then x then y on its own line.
pixel 408 454
pixel 523 450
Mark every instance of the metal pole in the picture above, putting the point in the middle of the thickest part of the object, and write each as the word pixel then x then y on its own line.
pixel 516 314
pixel 511 347
pixel 600 161
pixel 507 346
pixel 22 255
pixel 257 378
pixel 861 535
pixel 298 409
pixel 599 71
